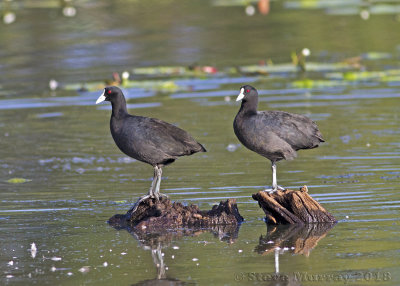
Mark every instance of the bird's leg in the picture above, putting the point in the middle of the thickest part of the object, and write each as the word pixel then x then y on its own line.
pixel 157 193
pixel 275 186
pixel 151 193
pixel 274 181
pixel 153 183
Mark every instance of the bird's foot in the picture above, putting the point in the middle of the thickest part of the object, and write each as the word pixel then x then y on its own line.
pixel 274 190
pixel 141 199
pixel 160 195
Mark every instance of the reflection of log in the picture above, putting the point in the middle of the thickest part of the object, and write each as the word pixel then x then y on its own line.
pixel 165 214
pixel 293 207
pixel 299 239
pixel 157 239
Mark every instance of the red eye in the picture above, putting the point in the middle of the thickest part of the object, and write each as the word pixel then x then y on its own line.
pixel 247 90
pixel 109 92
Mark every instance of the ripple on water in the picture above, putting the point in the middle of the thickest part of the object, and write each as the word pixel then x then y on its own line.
pixel 50 115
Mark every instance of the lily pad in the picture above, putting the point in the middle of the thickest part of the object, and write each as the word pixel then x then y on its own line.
pixel 290 68
pixel 18 180
pixel 379 76
pixel 309 83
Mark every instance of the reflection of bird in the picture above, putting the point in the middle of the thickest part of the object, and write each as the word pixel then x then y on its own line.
pixel 149 140
pixel 276 135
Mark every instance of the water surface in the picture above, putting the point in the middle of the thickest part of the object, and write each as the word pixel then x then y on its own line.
pixel 60 142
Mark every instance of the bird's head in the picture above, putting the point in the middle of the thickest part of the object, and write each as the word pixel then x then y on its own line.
pixel 110 93
pixel 247 92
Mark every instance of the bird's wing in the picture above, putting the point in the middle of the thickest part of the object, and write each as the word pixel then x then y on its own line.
pixel 297 130
pixel 166 137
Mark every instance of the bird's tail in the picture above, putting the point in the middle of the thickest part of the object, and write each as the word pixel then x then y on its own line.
pixel 202 149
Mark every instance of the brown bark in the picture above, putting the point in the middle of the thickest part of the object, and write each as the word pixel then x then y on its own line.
pixel 152 214
pixel 292 207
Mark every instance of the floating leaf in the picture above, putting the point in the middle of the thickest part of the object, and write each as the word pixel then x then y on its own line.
pixel 309 83
pixel 291 68
pixel 161 70
pixel 376 56
pixel 18 180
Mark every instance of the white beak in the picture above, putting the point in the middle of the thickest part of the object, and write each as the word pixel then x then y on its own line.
pixel 241 94
pixel 101 98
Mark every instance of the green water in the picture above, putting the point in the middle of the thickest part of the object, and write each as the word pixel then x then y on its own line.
pixel 60 141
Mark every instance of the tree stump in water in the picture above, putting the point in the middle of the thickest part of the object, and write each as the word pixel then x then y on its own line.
pixel 292 207
pixel 165 214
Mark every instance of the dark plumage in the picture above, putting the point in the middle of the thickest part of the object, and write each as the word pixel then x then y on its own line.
pixel 149 140
pixel 276 135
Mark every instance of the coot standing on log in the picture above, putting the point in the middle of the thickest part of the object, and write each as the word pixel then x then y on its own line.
pixel 276 135
pixel 149 140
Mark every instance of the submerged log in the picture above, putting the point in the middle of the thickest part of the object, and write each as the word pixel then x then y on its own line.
pixel 152 214
pixel 292 207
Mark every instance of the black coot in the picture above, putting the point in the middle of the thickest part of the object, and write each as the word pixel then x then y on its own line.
pixel 149 140
pixel 276 135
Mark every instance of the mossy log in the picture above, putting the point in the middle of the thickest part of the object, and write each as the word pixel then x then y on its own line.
pixel 292 207
pixel 153 214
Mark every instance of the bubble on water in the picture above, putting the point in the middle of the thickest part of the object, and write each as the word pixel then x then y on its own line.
pixel 53 269
pixel 9 18
pixel 55 258
pixel 53 84
pixel 33 250
pixel 364 14
pixel 10 263
pixel 69 11
pixel 84 269
pixel 175 247
pixel 250 10
pixel 125 75
pixel 240 251
pixel 105 264
pixel 195 259
pixel 306 52
pixel 232 147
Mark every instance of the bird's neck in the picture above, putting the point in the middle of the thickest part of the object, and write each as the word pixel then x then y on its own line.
pixel 119 109
pixel 248 107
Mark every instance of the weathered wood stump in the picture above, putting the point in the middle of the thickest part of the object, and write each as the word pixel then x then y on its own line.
pixel 153 214
pixel 292 207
